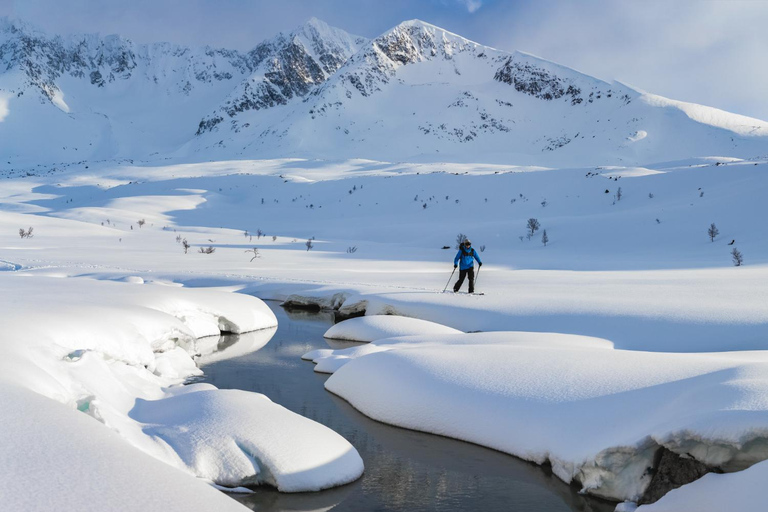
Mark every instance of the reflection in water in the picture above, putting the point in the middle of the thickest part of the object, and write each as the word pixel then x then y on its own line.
pixel 404 470
pixel 213 349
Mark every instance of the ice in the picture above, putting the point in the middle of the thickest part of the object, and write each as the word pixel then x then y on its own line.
pixel 370 328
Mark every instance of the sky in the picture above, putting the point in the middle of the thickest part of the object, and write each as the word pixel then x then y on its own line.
pixel 713 52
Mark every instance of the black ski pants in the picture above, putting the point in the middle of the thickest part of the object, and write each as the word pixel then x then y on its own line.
pixel 462 274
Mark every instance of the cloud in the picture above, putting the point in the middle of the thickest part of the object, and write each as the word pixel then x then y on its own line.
pixel 471 5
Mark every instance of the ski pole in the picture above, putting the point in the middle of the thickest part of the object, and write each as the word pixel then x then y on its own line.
pixel 449 279
pixel 477 276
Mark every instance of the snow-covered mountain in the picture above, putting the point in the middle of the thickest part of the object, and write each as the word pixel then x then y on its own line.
pixel 85 97
pixel 417 92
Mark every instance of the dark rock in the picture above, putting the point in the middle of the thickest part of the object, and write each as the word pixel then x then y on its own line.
pixel 671 471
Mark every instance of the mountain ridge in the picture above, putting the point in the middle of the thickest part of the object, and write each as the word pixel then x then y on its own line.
pixel 417 91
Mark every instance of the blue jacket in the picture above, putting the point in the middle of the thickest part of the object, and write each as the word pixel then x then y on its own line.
pixel 466 258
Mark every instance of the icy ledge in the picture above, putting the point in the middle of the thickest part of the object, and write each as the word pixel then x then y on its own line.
pixel 600 417
pixel 120 352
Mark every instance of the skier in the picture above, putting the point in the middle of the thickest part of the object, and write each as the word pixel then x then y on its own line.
pixel 466 257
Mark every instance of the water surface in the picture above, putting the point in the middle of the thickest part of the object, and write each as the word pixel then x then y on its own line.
pixel 404 470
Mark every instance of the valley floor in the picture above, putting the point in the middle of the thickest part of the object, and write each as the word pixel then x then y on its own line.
pixel 635 268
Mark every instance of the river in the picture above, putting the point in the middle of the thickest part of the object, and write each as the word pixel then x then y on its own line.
pixel 404 470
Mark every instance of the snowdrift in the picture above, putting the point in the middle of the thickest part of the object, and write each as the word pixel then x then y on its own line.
pixel 370 328
pixel 119 352
pixel 599 416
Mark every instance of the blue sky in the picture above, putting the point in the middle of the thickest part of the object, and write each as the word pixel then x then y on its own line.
pixel 713 52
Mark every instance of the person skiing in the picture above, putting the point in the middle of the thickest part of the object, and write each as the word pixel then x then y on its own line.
pixel 465 261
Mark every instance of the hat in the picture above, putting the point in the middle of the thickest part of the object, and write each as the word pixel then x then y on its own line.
pixel 467 242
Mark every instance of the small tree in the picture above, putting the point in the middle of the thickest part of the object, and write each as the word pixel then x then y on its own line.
pixel 460 239
pixel 259 234
pixel 255 252
pixel 712 232
pixel 532 226
pixel 544 238
pixel 738 258
pixel 619 194
pixel 207 250
pixel 27 233
pixel 141 222
pixel 185 245
pixel 309 244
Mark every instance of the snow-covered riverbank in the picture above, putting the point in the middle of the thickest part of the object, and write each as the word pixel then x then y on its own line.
pixel 119 353
pixel 598 416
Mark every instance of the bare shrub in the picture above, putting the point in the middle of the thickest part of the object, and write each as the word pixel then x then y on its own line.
pixel 352 249
pixel 27 233
pixel 185 245
pixel 712 232
pixel 737 257
pixel 255 252
pixel 207 250
pixel 460 239
pixel 533 226
pixel 141 222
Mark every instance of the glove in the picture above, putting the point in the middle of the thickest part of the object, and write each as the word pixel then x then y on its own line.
pixel 479 264
pixel 455 266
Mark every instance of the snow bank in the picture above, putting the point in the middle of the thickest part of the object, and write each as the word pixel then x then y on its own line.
pixel 328 361
pixel 743 491
pixel 57 458
pixel 119 352
pixel 598 416
pixel 370 328
pixel 237 438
